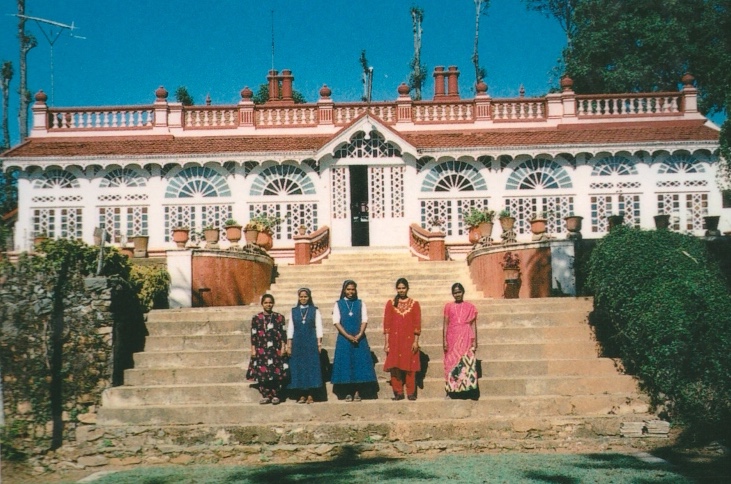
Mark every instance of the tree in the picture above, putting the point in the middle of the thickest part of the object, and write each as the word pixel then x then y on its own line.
pixel 367 77
pixel 647 45
pixel 480 9
pixel 183 96
pixel 418 70
pixel 6 77
pixel 26 42
pixel 262 95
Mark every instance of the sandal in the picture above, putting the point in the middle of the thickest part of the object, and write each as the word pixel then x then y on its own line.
pixel 349 398
pixel 412 397
pixel 310 399
pixel 357 398
pixel 275 401
pixel 397 397
pixel 301 400
pixel 264 401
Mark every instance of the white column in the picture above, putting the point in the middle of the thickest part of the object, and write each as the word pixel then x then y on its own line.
pixel 180 268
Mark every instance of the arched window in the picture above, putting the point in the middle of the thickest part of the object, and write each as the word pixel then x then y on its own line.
pixel 453 176
pixel 56 179
pixel 122 178
pixel 538 174
pixel 681 164
pixel 614 165
pixel 373 147
pixel 197 181
pixel 282 180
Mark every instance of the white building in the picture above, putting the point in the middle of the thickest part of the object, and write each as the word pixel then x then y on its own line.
pixel 367 171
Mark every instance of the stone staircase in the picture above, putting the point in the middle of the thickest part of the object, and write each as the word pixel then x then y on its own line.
pixel 542 383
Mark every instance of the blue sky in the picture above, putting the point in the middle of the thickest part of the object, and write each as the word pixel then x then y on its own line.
pixel 217 47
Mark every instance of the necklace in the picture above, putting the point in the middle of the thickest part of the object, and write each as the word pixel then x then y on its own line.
pixel 350 307
pixel 304 313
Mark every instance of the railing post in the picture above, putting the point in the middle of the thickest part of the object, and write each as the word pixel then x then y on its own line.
pixel 160 108
pixel 302 250
pixel 246 107
pixel 690 94
pixel 482 102
pixel 403 104
pixel 437 248
pixel 40 114
pixel 325 106
pixel 568 97
pixel 175 116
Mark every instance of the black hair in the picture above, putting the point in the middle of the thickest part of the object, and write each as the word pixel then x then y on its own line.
pixel 400 280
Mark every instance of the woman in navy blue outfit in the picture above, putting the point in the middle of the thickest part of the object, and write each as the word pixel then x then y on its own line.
pixel 352 363
pixel 304 343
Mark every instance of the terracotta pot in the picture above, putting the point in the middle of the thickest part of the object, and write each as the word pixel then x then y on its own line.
pixel 233 233
pixel 39 239
pixel 211 235
pixel 180 237
pixel 573 223
pixel 486 229
pixel 140 245
pixel 251 236
pixel 264 240
pixel 302 230
pixel 474 235
pixel 662 221
pixel 127 251
pixel 615 221
pixel 538 226
pixel 511 274
pixel 507 223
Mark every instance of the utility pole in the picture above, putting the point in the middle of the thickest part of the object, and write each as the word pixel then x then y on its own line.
pixel 367 77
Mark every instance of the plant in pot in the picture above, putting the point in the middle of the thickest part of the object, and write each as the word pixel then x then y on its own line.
pixel 662 221
pixel 302 229
pixel 511 266
pixel 181 235
pixel 435 223
pixel 480 219
pixel 268 223
pixel 211 235
pixel 573 225
pixel 507 221
pixel 233 231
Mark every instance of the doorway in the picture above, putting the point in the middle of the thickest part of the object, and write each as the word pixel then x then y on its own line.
pixel 359 221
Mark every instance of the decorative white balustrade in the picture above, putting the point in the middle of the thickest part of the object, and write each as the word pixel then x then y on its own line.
pixel 211 117
pixel 341 114
pixel 662 103
pixel 286 116
pixel 100 118
pixel 519 110
pixel 345 113
pixel 443 112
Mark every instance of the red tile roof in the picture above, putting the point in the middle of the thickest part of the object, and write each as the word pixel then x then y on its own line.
pixel 423 140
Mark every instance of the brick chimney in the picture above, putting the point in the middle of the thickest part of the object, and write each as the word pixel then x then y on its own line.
pixel 438 82
pixel 452 85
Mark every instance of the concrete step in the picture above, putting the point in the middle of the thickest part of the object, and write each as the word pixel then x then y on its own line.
pixel 410 413
pixel 433 388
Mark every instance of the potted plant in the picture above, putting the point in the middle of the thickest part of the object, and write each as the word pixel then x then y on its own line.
pixel 662 221
pixel 481 219
pixel 435 224
pixel 302 229
pixel 140 243
pixel 573 225
pixel 211 235
pixel 615 220
pixel 710 222
pixel 507 221
pixel 511 266
pixel 181 235
pixel 266 225
pixel 233 231
pixel 538 223
pixel 251 231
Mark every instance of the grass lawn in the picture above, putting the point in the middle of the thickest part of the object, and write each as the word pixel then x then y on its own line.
pixel 485 468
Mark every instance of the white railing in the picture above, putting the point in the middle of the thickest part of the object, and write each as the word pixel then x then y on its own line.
pixel 211 117
pixel 345 113
pixel 101 118
pixel 519 109
pixel 451 112
pixel 628 104
pixel 305 115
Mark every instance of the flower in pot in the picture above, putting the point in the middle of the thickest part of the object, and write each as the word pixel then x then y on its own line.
pixel 511 266
pixel 181 235
pixel 233 231
pixel 435 224
pixel 481 219
pixel 265 224
pixel 507 221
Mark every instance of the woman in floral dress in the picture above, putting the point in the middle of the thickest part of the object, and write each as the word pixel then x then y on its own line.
pixel 268 365
pixel 459 337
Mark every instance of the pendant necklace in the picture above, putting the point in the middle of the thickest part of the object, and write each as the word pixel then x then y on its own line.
pixel 304 314
pixel 350 307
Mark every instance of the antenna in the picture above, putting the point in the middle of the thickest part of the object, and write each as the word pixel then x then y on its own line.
pixel 272 39
pixel 50 36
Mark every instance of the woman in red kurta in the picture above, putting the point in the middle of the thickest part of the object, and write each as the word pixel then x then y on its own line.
pixel 402 327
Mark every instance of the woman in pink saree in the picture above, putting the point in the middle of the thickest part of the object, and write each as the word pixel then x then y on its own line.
pixel 459 337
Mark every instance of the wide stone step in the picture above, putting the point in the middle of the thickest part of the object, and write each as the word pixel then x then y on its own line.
pixel 437 411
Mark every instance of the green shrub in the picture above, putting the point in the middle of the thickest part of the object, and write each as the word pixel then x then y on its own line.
pixel 661 306
pixel 152 284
